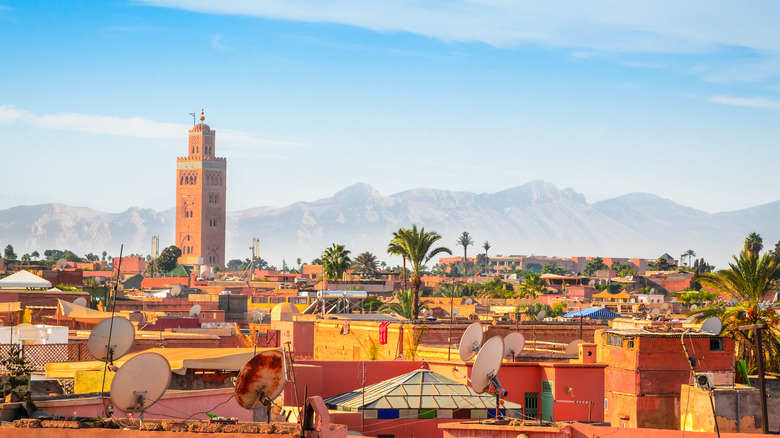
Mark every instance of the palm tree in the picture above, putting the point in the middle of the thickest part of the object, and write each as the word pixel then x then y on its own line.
pixel 365 263
pixel 486 247
pixel 35 255
pixel 690 253
pixel 395 248
pixel 417 247
pixel 465 240
pixel 749 281
pixel 405 305
pixel 753 243
pixel 450 290
pixel 335 262
pixel 533 285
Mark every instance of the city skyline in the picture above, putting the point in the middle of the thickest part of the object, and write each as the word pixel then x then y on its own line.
pixel 306 99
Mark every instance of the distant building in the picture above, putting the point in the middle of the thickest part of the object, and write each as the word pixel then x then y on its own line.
pixel 200 200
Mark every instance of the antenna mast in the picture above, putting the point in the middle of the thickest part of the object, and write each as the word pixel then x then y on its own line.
pixel 194 119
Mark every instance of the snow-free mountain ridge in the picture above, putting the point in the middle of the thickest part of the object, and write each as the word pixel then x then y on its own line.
pixel 534 218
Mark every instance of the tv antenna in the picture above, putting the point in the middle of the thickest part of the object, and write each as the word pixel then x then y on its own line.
pixel 484 373
pixel 470 342
pixel 194 118
pixel 513 345
pixel 261 380
pixel 140 382
pixel 111 339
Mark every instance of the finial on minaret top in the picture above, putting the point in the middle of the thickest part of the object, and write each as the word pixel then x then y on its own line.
pixel 202 117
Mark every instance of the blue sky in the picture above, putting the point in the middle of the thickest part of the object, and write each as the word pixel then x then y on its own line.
pixel 609 98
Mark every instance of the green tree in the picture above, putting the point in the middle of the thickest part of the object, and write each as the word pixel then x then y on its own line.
pixel 417 246
pixel 690 254
pixel 405 306
pixel 335 262
pixel 533 285
pixel 168 258
pixel 26 258
pixel 104 254
pixel 753 243
pixel 35 255
pixel 552 268
pixel 486 246
pixel 366 264
pixel 597 264
pixel 750 280
pixel 234 265
pixel 91 257
pixel 532 310
pixel 9 253
pixel 465 240
pixel 372 304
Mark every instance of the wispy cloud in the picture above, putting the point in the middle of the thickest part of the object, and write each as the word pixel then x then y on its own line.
pixel 660 26
pixel 750 102
pixel 136 127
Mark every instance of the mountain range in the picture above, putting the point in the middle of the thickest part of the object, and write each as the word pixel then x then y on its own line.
pixel 534 218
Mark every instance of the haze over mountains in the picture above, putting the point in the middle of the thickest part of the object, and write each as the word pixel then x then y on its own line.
pixel 534 218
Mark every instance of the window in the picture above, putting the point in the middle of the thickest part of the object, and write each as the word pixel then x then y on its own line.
pixel 716 344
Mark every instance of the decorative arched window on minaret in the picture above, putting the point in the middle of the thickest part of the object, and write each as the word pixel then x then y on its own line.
pixel 201 212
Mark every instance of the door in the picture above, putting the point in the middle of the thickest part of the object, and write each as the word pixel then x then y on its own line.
pixel 531 406
pixel 547 400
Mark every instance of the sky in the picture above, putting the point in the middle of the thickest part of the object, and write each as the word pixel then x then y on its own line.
pixel 308 97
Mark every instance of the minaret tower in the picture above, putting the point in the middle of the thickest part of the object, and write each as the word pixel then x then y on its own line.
pixel 200 200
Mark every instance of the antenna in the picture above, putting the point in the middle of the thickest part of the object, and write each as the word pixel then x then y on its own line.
pixel 513 345
pixel 194 119
pixel 485 370
pixel 712 325
pixel 261 380
pixel 80 301
pixel 574 347
pixel 470 342
pixel 111 339
pixel 195 310
pixel 140 382
pixel 61 263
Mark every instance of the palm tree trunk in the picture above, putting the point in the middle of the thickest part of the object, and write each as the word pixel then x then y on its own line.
pixel 416 282
pixel 403 272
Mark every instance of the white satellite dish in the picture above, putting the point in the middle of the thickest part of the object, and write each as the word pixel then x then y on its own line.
pixel 254 316
pixel 470 342
pixel 468 301
pixel 694 307
pixel 574 347
pixel 111 339
pixel 540 316
pixel 652 291
pixel 176 291
pixel 487 364
pixel 712 325
pixel 664 306
pixel 656 312
pixel 195 310
pixel 80 301
pixel 513 345
pixel 61 263
pixel 455 312
pixel 120 287
pixel 140 382
pixel 592 283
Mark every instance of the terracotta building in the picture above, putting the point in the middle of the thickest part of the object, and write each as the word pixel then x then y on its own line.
pixel 200 200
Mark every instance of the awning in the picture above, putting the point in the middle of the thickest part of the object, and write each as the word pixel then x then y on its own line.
pixel 180 359
pixel 10 307
pixel 66 309
pixel 24 279
pixel 593 313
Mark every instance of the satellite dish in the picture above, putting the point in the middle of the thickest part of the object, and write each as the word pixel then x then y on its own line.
pixel 61 263
pixel 455 312
pixel 574 347
pixel 80 301
pixel 255 316
pixel 468 301
pixel 140 382
pixel 487 364
pixel 668 312
pixel 470 342
pixel 261 380
pixel 656 312
pixel 664 306
pixel 712 325
pixel 513 345
pixel 122 334
pixel 195 310
pixel 652 291
pixel 176 291
pixel 694 307
pixel 540 316
pixel 120 287
pixel 592 283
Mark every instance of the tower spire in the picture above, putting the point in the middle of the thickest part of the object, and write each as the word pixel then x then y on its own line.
pixel 202 117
